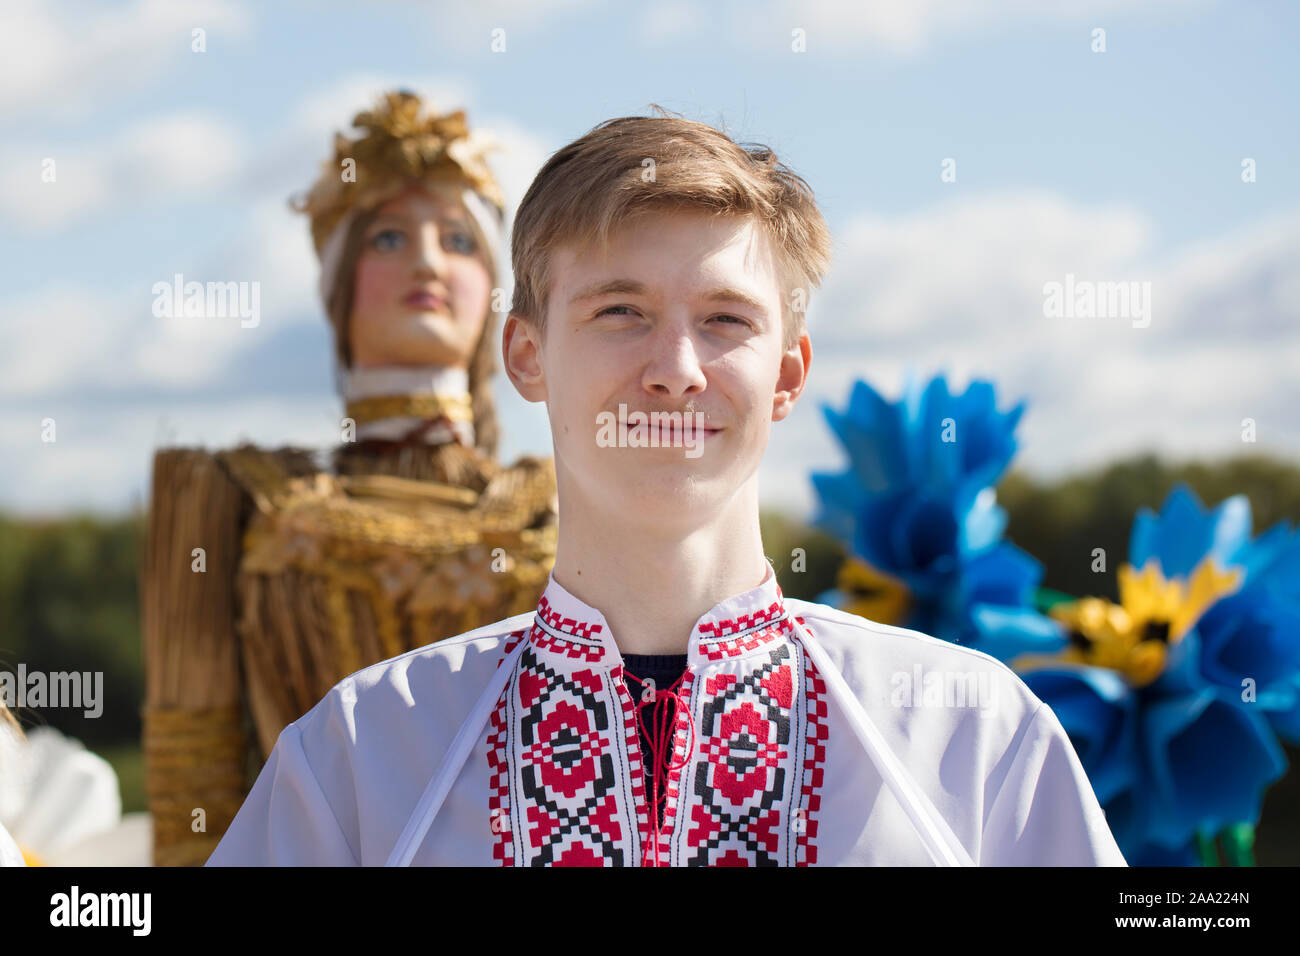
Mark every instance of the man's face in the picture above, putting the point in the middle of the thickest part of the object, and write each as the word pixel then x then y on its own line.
pixel 681 312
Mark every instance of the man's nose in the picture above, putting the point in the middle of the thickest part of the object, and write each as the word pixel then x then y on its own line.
pixel 674 367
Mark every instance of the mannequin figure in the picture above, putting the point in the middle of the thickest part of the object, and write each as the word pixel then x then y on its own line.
pixel 270 575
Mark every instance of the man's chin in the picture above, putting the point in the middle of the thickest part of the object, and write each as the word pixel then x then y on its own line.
pixel 673 487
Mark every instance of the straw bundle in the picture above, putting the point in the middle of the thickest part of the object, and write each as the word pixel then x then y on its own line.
pixel 194 738
pixel 341 572
pixel 310 577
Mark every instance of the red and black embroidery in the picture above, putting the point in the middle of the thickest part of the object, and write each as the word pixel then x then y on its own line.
pixel 569 813
pixel 812 763
pixel 499 770
pixel 740 785
pixel 579 640
pixel 567 779
pixel 735 636
pixel 636 778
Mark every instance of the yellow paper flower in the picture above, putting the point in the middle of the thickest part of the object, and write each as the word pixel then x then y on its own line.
pixel 1134 636
pixel 872 593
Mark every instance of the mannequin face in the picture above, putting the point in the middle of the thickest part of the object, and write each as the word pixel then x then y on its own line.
pixel 422 284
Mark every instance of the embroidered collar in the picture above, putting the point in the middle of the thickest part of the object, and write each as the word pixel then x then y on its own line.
pixel 573 632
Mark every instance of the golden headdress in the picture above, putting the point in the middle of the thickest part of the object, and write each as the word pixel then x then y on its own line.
pixel 398 145
pixel 403 141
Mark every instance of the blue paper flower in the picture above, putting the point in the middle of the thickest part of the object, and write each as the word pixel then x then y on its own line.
pixel 1173 697
pixel 1202 655
pixel 917 511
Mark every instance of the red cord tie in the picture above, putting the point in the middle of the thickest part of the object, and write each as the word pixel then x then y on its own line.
pixel 661 737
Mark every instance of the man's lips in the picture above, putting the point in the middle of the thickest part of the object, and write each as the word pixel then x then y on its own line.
pixel 668 428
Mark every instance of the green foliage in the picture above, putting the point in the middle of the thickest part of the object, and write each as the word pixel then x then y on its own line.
pixel 68 602
pixel 822 555
pixel 128 762
pixel 1061 523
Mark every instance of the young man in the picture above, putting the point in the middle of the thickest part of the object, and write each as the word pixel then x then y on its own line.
pixel 661 271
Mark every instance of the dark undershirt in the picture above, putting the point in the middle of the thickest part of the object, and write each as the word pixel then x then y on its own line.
pixel 664 670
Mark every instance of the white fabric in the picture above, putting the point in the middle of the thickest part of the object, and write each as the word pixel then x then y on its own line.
pixel 372 763
pixel 940 842
pixel 54 793
pixel 10 855
pixel 376 381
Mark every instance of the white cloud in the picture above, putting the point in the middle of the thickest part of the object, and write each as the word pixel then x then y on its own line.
pixel 666 21
pixel 62 335
pixel 70 337
pixel 61 57
pixel 81 182
pixel 898 26
pixel 468 21
pixel 162 157
pixel 102 455
pixel 924 272
pixel 909 27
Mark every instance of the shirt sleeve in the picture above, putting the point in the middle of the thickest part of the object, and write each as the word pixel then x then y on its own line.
pixel 1045 812
pixel 286 819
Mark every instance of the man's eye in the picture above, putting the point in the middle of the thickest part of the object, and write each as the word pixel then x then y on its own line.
pixel 613 309
pixel 387 239
pixel 734 318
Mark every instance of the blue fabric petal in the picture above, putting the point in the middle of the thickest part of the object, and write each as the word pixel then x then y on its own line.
pixel 1152 854
pixel 1183 533
pixel 1002 575
pixel 1253 634
pixel 1007 632
pixel 1210 761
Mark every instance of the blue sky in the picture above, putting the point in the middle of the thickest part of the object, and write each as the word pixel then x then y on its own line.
pixel 1122 165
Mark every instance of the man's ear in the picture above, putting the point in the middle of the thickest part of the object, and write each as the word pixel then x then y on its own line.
pixel 521 349
pixel 793 375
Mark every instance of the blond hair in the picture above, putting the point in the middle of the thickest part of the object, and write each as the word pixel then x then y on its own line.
pixel 597 182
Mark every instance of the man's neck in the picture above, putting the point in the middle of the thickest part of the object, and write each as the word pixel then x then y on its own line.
pixel 653 586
